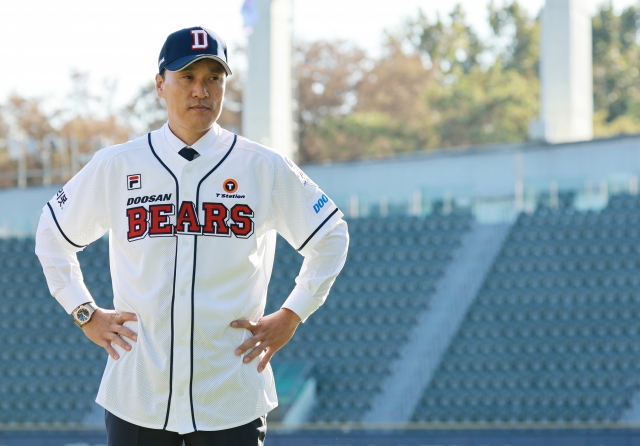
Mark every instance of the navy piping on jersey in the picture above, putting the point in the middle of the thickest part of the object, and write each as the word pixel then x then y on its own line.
pixel 193 278
pixel 173 296
pixel 53 214
pixel 317 229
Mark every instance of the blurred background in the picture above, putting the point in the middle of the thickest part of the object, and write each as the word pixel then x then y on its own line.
pixel 485 154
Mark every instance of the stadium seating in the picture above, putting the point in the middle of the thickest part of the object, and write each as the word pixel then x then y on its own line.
pixel 386 283
pixel 553 334
pixel 50 372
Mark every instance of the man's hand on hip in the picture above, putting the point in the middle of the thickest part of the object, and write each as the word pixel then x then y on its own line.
pixel 105 327
pixel 270 333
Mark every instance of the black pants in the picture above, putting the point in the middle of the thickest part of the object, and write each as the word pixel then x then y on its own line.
pixel 123 433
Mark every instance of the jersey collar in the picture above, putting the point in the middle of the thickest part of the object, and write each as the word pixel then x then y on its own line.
pixel 204 144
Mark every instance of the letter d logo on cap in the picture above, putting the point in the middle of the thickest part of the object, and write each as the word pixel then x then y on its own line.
pixel 200 41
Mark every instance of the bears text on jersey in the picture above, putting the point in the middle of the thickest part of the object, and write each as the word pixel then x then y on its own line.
pixel 219 220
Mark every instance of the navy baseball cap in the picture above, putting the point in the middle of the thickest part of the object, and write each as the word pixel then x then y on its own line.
pixel 184 47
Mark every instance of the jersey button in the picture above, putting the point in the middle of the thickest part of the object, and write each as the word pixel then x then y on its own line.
pixel 186 243
pixel 188 169
pixel 183 292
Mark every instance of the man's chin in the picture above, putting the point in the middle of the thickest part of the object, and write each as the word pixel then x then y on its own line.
pixel 200 125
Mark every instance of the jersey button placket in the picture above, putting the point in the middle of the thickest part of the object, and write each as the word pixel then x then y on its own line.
pixel 182 345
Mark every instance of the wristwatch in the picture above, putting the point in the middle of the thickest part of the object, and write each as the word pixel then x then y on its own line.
pixel 83 313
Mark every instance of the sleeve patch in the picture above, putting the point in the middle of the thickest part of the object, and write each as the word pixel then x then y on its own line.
pixel 61 198
pixel 304 179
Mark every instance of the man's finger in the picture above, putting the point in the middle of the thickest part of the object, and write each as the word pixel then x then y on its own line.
pixel 246 345
pixel 244 323
pixel 112 351
pixel 125 331
pixel 114 338
pixel 253 354
pixel 265 360
pixel 121 318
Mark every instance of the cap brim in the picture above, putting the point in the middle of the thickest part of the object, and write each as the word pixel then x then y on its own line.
pixel 184 62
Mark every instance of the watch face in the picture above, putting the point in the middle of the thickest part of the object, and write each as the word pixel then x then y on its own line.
pixel 83 315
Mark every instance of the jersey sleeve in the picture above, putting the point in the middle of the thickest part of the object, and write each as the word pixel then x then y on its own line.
pixel 303 212
pixel 77 212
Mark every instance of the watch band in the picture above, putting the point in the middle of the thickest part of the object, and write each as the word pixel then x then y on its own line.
pixel 83 313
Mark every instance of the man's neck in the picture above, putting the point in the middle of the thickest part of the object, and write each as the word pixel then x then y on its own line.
pixel 187 136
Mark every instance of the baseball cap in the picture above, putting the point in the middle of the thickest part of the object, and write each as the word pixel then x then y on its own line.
pixel 184 47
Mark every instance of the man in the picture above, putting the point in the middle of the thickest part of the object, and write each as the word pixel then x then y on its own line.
pixel 192 213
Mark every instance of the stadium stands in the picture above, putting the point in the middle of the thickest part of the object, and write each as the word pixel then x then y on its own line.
pixel 553 333
pixel 551 337
pixel 49 371
pixel 385 284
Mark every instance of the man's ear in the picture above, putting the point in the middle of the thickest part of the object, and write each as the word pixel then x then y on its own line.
pixel 159 86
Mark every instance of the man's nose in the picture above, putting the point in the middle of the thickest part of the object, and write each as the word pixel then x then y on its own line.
pixel 200 90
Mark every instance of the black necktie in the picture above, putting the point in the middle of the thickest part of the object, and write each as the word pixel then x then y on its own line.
pixel 188 153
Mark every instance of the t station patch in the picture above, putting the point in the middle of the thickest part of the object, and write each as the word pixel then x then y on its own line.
pixel 230 185
pixel 134 181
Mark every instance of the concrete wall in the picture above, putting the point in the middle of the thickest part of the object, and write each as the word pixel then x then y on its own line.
pixel 469 174
pixel 481 172
pixel 22 209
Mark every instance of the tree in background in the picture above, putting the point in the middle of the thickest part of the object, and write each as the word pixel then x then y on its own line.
pixel 521 51
pixel 146 111
pixel 61 139
pixel 327 76
pixel 28 123
pixel 489 91
pixel 437 84
pixel 387 117
pixel 616 60
pixel 90 119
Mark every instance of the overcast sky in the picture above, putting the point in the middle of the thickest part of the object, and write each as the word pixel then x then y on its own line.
pixel 41 41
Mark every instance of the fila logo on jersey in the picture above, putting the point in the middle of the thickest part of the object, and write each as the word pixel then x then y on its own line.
pixel 219 221
pixel 134 181
pixel 200 41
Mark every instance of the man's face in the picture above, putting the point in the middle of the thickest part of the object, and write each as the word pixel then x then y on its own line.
pixel 193 95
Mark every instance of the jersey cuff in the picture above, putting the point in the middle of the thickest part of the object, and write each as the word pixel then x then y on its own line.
pixel 73 295
pixel 323 228
pixel 302 303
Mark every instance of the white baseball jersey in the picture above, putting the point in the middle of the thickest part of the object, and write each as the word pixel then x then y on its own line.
pixel 191 248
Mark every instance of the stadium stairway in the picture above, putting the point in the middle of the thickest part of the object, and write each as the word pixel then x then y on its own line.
pixel 553 335
pixel 431 335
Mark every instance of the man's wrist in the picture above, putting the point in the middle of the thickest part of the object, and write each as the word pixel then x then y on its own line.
pixel 76 308
pixel 301 302
pixel 83 314
pixel 292 314
pixel 73 295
